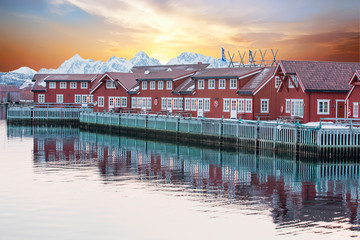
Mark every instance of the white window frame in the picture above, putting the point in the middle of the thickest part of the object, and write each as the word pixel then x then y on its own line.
pixel 110 84
pixel 59 98
pixel 206 104
pixel 117 102
pixel 277 81
pixel 160 85
pixel 91 98
pixel 169 103
pixel 133 102
pixel 297 108
pixel 62 85
pixel 175 104
pixel 111 102
pixel 226 105
pixel 248 105
pixel 169 85
pixel 211 84
pixel 323 112
pixel 52 85
pixel 152 85
pixel 193 104
pixel 287 105
pixel 148 103
pixel 187 104
pixel 233 83
pixel 84 98
pixel 101 101
pixel 138 102
pixel 222 83
pixel 84 85
pixel 124 102
pixel 77 99
pixel 73 85
pixel 144 85
pixel 355 109
pixel 264 105
pixel 181 104
pixel 241 105
pixel 41 98
pixel 201 84
pixel 143 103
pixel 163 103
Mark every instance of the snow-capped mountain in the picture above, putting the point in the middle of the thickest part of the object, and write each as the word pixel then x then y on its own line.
pixel 17 77
pixel 192 58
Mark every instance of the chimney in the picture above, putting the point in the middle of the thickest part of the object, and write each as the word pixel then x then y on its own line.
pixel 199 62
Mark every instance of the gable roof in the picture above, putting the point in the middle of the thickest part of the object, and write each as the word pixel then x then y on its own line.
pixel 160 68
pixel 126 80
pixel 321 76
pixel 353 77
pixel 225 72
pixel 255 82
pixel 39 84
pixel 8 88
pixel 186 87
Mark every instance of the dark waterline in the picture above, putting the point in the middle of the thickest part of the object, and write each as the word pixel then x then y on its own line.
pixel 275 195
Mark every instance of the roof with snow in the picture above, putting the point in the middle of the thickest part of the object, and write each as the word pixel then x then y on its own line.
pixel 167 75
pixel 127 80
pixel 186 87
pixel 321 76
pixel 161 68
pixel 71 77
pixel 225 72
pixel 39 84
pixel 256 80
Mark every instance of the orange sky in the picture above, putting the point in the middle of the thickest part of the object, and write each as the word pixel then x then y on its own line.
pixel 44 33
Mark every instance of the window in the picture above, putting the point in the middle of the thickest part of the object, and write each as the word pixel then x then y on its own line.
pixel 59 98
pixel 241 105
pixel 111 102
pixel 73 85
pixel 226 105
pixel 175 103
pixel 169 103
pixel 117 101
pixel 168 85
pixel 138 103
pixel 211 84
pixel 356 110
pixel 77 99
pixel 201 84
pixel 124 102
pixel 294 79
pixel 193 104
pixel 323 106
pixel 277 81
pixel 181 104
pixel 187 104
pixel 101 101
pixel 91 98
pixel 248 105
pixel 264 107
pixel 52 85
pixel 287 105
pixel 109 84
pixel 133 102
pixel 160 85
pixel 297 107
pixel 233 84
pixel 207 104
pixel 63 85
pixel 152 85
pixel 144 85
pixel 222 84
pixel 143 103
pixel 41 98
pixel 163 103
pixel 148 103
pixel 84 85
pixel 84 98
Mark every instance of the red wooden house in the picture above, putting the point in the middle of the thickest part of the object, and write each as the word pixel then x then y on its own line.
pixel 110 90
pixel 308 90
pixel 353 98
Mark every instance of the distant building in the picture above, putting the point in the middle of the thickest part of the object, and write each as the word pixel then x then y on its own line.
pixel 9 93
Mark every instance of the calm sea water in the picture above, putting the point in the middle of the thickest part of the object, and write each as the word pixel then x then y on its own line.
pixel 63 183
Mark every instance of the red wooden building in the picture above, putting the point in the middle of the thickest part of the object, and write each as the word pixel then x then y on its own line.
pixel 353 98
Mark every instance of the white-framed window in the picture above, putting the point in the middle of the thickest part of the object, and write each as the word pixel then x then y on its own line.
pixel 207 104
pixel 138 102
pixel 84 85
pixel 124 102
pixel 277 81
pixel 187 104
pixel 52 85
pixel 73 85
pixel 63 85
pixel 91 98
pixel 117 102
pixel 152 85
pixel 222 84
pixel 297 107
pixel 41 98
pixel 148 103
pixel 181 104
pixel 287 105
pixel 355 109
pixel 175 104
pixel 109 84
pixel 169 103
pixel 248 105
pixel 168 85
pixel 160 85
pixel 193 104
pixel 226 106
pixel 233 84
pixel 211 84
pixel 201 84
pixel 84 98
pixel 163 103
pixel 143 103
pixel 241 105
pixel 144 85
pixel 264 105
pixel 100 101
pixel 294 79
pixel 59 98
pixel 133 102
pixel 77 98
pixel 323 106
pixel 111 102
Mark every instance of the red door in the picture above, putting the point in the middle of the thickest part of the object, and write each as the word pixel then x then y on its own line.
pixel 340 109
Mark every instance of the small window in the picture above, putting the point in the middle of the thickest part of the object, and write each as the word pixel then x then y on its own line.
pixel 222 84
pixel 111 102
pixel 187 104
pixel 168 85
pixel 163 103
pixel 84 98
pixel 323 107
pixel 160 85
pixel 287 105
pixel 201 84
pixel 139 102
pixel 63 85
pixel 181 104
pixel 124 102
pixel 52 85
pixel 241 105
pixel 226 106
pixel 277 81
pixel 169 103
pixel 117 102
pixel 144 85
pixel 73 85
pixel 91 98
pixel 211 84
pixel 143 103
pixel 294 79
pixel 109 84
pixel 356 110
pixel 77 99
pixel 264 105
pixel 152 85
pixel 207 104
pixel 59 98
pixel 175 104
pixel 133 102
pixel 41 98
pixel 233 84
pixel 297 107
pixel 248 105
pixel 84 85
pixel 101 101
pixel 193 104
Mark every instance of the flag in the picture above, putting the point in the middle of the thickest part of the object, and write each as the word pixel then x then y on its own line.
pixel 250 56
pixel 223 58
